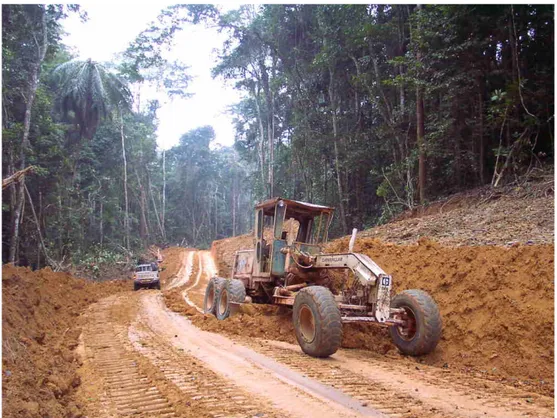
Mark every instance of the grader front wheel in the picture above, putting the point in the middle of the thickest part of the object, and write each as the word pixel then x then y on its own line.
pixel 317 321
pixel 422 329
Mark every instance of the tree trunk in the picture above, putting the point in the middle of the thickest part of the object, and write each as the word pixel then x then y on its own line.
pixel 270 133
pixel 126 218
pixel 216 213
pixel 143 229
pixel 456 141
pixel 261 143
pixel 234 201
pixel 39 227
pixel 32 90
pixel 481 136
pixel 47 256
pixel 420 131
pixel 157 216
pixel 163 193
pixel 421 143
pixel 16 177
pixel 332 99
pixel 262 136
pixel 101 225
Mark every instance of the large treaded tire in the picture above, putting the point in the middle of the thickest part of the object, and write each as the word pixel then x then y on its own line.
pixel 428 324
pixel 233 291
pixel 317 321
pixel 136 286
pixel 211 293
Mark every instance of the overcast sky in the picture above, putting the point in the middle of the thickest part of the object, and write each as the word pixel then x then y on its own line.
pixel 109 30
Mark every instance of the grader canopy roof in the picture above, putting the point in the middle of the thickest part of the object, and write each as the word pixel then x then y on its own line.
pixel 294 208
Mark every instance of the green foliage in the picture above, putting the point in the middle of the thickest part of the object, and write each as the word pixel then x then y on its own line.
pixel 486 73
pixel 459 55
pixel 88 93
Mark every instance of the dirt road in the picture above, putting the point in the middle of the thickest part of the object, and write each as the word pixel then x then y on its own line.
pixel 141 359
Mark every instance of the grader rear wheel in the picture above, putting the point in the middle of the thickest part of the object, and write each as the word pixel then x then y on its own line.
pixel 422 331
pixel 232 291
pixel 317 321
pixel 211 292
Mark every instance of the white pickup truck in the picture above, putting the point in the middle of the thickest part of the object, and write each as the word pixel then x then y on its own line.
pixel 146 275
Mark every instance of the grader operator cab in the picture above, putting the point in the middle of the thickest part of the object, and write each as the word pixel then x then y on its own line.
pixel 287 266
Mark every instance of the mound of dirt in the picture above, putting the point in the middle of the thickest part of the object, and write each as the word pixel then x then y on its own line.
pixel 497 305
pixel 260 321
pixel 40 330
pixel 174 301
pixel 223 251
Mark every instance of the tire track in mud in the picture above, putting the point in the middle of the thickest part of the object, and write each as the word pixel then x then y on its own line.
pixel 280 389
pixel 202 387
pixel 380 383
pixel 143 375
pixel 367 391
pixel 198 276
pixel 127 389
pixel 486 393
pixel 185 271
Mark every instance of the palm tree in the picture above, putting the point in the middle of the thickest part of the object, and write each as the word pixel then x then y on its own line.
pixel 88 93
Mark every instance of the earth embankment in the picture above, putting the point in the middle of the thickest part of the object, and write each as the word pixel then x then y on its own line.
pixel 41 324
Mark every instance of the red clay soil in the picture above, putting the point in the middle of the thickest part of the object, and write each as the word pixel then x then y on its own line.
pixel 171 263
pixel 497 305
pixel 40 330
pixel 223 251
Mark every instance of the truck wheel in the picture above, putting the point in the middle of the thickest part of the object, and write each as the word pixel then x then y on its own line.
pixel 232 291
pixel 211 292
pixel 423 330
pixel 317 321
pixel 158 286
pixel 135 286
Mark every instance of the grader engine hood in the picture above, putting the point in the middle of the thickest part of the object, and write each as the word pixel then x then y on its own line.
pixel 367 272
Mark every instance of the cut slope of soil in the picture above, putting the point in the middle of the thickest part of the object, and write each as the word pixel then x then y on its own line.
pixel 40 330
pixel 497 304
pixel 223 251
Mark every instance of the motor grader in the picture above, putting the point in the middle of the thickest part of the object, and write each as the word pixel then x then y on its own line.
pixel 288 267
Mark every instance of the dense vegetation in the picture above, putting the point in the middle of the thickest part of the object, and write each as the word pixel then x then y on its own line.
pixel 372 109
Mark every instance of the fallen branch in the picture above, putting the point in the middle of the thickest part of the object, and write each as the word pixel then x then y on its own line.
pixel 16 176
